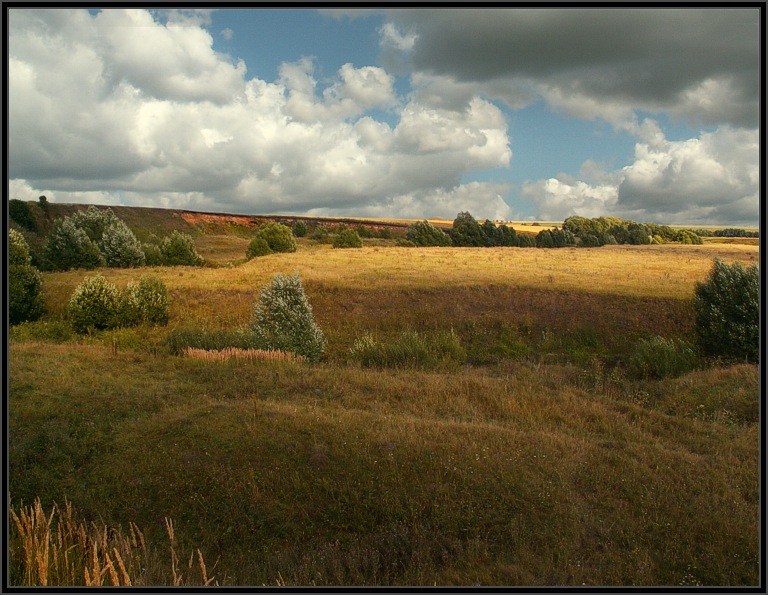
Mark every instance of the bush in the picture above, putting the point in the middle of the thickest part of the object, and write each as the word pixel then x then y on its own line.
pixel 283 320
pixel 19 211
pixel 153 256
pixel 95 304
pixel 299 229
pixel 727 309
pixel 409 350
pixel 145 302
pixel 321 234
pixel 466 231
pixel 49 331
pixel 526 240
pixel 658 358
pixel 25 294
pixel 18 249
pixel 120 248
pixel 94 221
pixel 347 238
pixel 423 233
pixel 69 247
pixel 179 249
pixel 257 247
pixel 278 237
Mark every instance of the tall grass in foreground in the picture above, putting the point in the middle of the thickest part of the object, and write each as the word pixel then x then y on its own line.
pixel 241 354
pixel 58 549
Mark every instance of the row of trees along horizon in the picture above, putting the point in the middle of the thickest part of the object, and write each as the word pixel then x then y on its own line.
pixel 96 237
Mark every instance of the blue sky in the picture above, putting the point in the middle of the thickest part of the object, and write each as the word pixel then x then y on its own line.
pixel 515 114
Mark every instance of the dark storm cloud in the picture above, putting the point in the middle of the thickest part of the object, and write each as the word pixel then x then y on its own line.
pixel 645 58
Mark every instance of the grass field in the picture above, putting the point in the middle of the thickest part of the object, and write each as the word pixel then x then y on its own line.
pixel 536 461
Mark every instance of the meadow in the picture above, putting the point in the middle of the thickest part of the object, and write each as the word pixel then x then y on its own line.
pixel 534 458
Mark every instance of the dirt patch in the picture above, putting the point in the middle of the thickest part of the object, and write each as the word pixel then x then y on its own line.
pixel 207 218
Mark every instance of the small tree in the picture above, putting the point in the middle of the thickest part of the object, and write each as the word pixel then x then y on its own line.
pixel 299 229
pixel 347 238
pixel 257 247
pixel 69 247
pixel 279 237
pixel 145 302
pixel 95 304
pixel 466 231
pixel 120 247
pixel 25 283
pixel 282 319
pixel 94 221
pixel 727 308
pixel 179 249
pixel 423 233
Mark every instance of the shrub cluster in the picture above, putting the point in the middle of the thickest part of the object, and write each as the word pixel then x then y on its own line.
pixel 21 213
pixel 347 238
pixel 658 357
pixel 179 249
pixel 727 306
pixel 277 237
pixel 467 231
pixel 614 230
pixel 409 350
pixel 283 320
pixel 299 229
pixel 423 233
pixel 25 283
pixel 97 304
pixel 555 238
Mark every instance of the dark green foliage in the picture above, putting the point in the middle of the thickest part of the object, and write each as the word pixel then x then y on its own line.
pixel 590 240
pixel 657 357
pixel 179 249
pixel 299 229
pixel 727 308
pixel 283 320
pixel 94 221
pixel 257 247
pixel 347 238
pixel 119 246
pixel 180 339
pixel 321 234
pixel 25 284
pixel 19 212
pixel 544 239
pixel 42 201
pixel 686 236
pixel 69 247
pixel 506 236
pixel 279 237
pixel 153 256
pixel 144 302
pixel 423 233
pixel 488 229
pixel 466 231
pixel 409 350
pixel 526 240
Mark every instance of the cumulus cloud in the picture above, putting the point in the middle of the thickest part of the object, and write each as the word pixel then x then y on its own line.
pixel 100 114
pixel 700 64
pixel 714 177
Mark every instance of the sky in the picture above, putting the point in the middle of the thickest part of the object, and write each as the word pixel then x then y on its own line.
pixel 650 114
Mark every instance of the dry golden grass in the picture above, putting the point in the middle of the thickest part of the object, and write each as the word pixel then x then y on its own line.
pixel 57 549
pixel 214 355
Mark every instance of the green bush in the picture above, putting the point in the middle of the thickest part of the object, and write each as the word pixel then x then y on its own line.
pixel 153 256
pixel 257 247
pixel 466 231
pixel 25 288
pixel 69 247
pixel 94 305
pixel 526 240
pixel 657 358
pixel 94 221
pixel 209 339
pixel 179 249
pixel 144 302
pixel 299 229
pixel 423 233
pixel 282 319
pixel 120 248
pixel 321 234
pixel 409 350
pixel 18 249
pixel 347 238
pixel 727 307
pixel 279 237
pixel 19 211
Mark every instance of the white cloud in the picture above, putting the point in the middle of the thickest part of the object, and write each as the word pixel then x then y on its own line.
pixel 227 33
pixel 714 177
pixel 98 113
